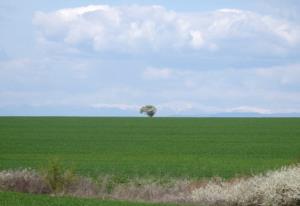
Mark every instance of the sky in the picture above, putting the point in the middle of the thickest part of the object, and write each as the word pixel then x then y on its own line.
pixel 188 58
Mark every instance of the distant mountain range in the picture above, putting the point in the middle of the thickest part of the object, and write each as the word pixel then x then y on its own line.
pixel 241 114
pixel 83 111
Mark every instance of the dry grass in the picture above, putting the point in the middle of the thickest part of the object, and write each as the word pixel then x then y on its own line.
pixel 106 187
pixel 175 192
pixel 23 181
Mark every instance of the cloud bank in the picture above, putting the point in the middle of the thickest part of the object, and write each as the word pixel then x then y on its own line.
pixel 154 28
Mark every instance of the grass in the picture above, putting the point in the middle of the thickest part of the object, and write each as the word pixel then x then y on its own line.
pixel 19 199
pixel 172 147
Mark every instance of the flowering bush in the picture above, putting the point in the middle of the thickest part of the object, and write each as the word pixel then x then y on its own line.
pixel 281 187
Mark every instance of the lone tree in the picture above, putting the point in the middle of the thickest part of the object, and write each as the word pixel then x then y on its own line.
pixel 149 110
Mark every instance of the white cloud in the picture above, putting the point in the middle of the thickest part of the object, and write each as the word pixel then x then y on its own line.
pixel 116 106
pixel 181 91
pixel 109 28
pixel 41 73
pixel 288 75
pixel 249 109
pixel 255 90
pixel 177 107
pixel 197 39
pixel 157 73
pixel 102 98
pixel 138 28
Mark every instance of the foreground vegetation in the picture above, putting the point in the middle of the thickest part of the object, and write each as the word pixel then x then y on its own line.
pixel 19 199
pixel 173 147
pixel 277 188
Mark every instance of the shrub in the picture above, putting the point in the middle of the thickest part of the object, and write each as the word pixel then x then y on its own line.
pixel 57 177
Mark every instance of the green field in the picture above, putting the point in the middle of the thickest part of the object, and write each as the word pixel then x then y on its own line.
pixel 175 147
pixel 18 199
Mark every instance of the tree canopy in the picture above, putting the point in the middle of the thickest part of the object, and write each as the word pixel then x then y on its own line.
pixel 150 110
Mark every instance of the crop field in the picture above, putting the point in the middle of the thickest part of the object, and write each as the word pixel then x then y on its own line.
pixel 19 199
pixel 159 147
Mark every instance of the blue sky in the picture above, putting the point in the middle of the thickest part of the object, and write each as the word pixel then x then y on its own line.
pixel 185 57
